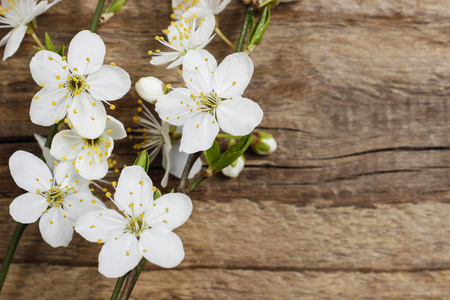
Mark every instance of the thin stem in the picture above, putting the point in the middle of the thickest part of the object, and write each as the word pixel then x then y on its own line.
pixel 51 134
pixel 187 169
pixel 38 42
pixel 132 278
pixel 9 255
pixel 118 287
pixel 97 14
pixel 196 183
pixel 248 16
pixel 228 136
pixel 224 38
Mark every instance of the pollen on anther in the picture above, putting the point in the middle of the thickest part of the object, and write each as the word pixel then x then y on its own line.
pixel 88 59
pixel 113 107
pixel 92 226
pixel 36 97
pixel 141 182
pixel 93 201
pixel 50 58
pixel 99 241
pixel 108 194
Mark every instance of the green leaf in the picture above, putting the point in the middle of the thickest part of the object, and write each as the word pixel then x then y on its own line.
pixel 115 6
pixel 157 194
pixel 142 160
pixel 37 49
pixel 251 26
pixel 213 153
pixel 49 44
pixel 233 153
pixel 61 50
pixel 259 30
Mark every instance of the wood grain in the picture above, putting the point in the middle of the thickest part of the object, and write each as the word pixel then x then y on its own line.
pixel 355 202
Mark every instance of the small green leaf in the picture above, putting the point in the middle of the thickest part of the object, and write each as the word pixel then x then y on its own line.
pixel 251 27
pixel 115 6
pixel 157 194
pixel 61 50
pixel 229 156
pixel 37 49
pixel 258 31
pixel 213 153
pixel 49 44
pixel 142 160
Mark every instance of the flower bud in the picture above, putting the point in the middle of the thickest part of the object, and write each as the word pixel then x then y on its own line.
pixel 235 168
pixel 149 88
pixel 263 143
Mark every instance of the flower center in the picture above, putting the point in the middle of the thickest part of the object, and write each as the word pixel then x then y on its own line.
pixel 207 103
pixel 76 84
pixel 55 197
pixel 136 226
pixel 93 142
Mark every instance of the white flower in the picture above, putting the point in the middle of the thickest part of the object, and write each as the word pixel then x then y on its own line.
pixel 149 88
pixel 58 200
pixel 76 86
pixel 156 137
pixel 146 229
pixel 212 100
pixel 235 168
pixel 90 156
pixel 212 6
pixel 49 160
pixel 183 36
pixel 16 14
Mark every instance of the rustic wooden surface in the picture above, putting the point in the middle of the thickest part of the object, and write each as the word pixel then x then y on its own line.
pixel 353 205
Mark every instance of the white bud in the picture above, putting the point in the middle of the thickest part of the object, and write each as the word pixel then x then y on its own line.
pixel 264 143
pixel 149 88
pixel 235 168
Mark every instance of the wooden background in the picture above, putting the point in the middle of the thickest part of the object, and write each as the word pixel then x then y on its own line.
pixel 355 203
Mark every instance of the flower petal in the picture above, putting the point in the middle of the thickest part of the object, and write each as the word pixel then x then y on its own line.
pixel 89 121
pixel 198 66
pixel 27 208
pixel 133 189
pixel 173 107
pixel 86 52
pixel 199 133
pixel 233 75
pixel 46 67
pixel 78 204
pixel 101 226
pixel 29 172
pixel 204 31
pixel 109 83
pixel 48 106
pixel 163 58
pixel 67 176
pixel 56 229
pixel 118 256
pixel 170 211
pixel 91 169
pixel 239 116
pixel 116 127
pixel 63 145
pixel 14 41
pixel 5 39
pixel 161 247
pixel 178 160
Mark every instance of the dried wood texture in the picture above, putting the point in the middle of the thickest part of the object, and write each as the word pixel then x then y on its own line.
pixel 355 202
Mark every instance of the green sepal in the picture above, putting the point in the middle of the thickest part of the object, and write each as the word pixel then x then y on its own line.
pixel 213 153
pixel 157 194
pixel 232 154
pixel 258 31
pixel 61 50
pixel 172 191
pixel 142 160
pixel 115 6
pixel 37 49
pixel 49 44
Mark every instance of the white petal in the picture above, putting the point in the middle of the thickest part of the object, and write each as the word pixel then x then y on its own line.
pixel 236 69
pixel 86 52
pixel 92 171
pixel 199 133
pixel 117 257
pixel 134 186
pixel 116 127
pixel 173 107
pixel 170 211
pixel 67 177
pixel 14 41
pixel 101 226
pixel 5 39
pixel 42 110
pixel 239 116
pixel 78 204
pixel 218 9
pixel 89 121
pixel 55 229
pixel 161 247
pixel 178 161
pixel 45 70
pixel 63 143
pixel 26 168
pixel 163 58
pixel 109 83
pixel 204 31
pixel 198 65
pixel 27 208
